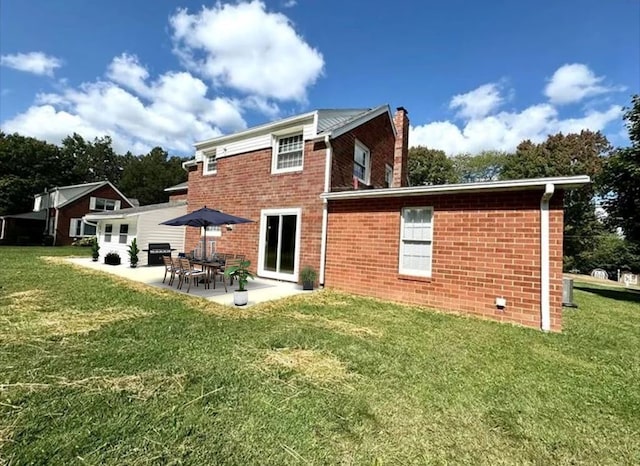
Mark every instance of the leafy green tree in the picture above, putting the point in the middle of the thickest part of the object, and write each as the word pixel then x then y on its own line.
pixel 621 179
pixel 145 177
pixel 566 155
pixel 429 166
pixel 93 161
pixel 27 167
pixel 485 166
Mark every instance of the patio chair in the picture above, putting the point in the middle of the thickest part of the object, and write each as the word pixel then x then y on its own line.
pixel 240 256
pixel 177 270
pixel 169 269
pixel 189 273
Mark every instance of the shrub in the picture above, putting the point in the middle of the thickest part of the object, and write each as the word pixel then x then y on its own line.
pixel 84 242
pixel 112 258
pixel 133 253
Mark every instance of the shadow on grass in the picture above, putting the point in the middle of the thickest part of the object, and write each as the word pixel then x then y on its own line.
pixel 617 294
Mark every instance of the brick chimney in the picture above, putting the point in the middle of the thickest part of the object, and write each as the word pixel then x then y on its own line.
pixel 401 148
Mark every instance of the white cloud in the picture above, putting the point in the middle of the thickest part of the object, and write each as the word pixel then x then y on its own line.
pixel 572 83
pixel 247 48
pixel 33 62
pixel 289 3
pixel 477 103
pixel 486 128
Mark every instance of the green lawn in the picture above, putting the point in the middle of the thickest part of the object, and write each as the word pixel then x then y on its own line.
pixel 96 371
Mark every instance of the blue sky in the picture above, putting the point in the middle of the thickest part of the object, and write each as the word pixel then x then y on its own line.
pixel 473 75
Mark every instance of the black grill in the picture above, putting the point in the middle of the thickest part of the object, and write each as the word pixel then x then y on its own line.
pixel 155 251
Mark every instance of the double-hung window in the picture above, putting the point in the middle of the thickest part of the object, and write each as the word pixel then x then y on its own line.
pixel 416 241
pixel 362 163
pixel 288 153
pixel 211 163
pixel 98 203
pixel 78 228
pixel 108 231
pixel 124 231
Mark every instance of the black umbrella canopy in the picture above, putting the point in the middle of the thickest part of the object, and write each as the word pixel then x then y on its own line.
pixel 205 218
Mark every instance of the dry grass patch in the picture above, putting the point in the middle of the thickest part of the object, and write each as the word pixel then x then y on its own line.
pixel 31 314
pixel 340 326
pixel 313 365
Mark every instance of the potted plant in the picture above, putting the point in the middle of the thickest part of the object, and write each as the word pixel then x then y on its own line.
pixel 308 276
pixel 133 253
pixel 112 258
pixel 241 272
pixel 95 249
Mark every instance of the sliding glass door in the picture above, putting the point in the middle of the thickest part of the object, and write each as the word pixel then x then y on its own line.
pixel 279 244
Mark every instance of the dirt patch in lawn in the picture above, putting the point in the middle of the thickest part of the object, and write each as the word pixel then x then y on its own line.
pixel 313 365
pixel 31 314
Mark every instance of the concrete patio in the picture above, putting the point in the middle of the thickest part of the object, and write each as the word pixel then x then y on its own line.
pixel 260 289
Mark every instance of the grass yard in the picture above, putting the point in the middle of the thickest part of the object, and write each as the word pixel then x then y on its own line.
pixel 94 370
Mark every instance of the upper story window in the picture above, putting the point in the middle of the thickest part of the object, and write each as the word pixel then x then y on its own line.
pixel 388 175
pixel 288 153
pixel 210 163
pixel 99 203
pixel 416 241
pixel 362 162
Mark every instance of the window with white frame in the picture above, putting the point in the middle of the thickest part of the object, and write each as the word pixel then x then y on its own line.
pixel 124 231
pixel 212 230
pixel 362 162
pixel 78 228
pixel 388 175
pixel 288 153
pixel 108 231
pixel 211 163
pixel 99 203
pixel 416 241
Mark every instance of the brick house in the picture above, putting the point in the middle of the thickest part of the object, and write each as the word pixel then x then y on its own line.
pixel 65 206
pixel 328 189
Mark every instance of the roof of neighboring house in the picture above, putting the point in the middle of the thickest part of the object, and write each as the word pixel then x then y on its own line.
pixel 41 215
pixel 123 213
pixel 561 182
pixel 74 192
pixel 178 187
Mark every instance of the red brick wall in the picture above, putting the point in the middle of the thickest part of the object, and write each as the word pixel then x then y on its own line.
pixel 484 246
pixel 377 135
pixel 79 209
pixel 181 196
pixel 244 185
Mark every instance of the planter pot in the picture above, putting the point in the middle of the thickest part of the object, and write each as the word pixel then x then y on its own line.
pixel 240 298
pixel 307 286
pixel 133 266
pixel 95 259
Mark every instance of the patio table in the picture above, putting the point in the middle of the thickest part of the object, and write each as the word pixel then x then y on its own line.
pixel 210 267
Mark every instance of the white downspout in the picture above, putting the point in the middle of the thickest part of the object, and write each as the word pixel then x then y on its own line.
pixel 545 313
pixel 55 228
pixel 325 205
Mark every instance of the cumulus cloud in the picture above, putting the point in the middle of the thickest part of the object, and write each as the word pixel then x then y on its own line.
pixel 484 127
pixel 477 103
pixel 572 83
pixel 33 62
pixel 247 48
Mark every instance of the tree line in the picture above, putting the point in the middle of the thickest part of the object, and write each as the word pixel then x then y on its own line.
pixel 28 166
pixel 590 240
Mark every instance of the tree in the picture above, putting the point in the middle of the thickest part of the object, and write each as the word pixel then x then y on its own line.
pixel 621 179
pixel 93 161
pixel 566 155
pixel 485 166
pixel 429 166
pixel 27 167
pixel 145 177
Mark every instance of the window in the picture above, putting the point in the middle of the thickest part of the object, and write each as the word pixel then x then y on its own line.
pixel 288 153
pixel 211 163
pixel 78 228
pixel 98 203
pixel 416 241
pixel 388 175
pixel 211 231
pixel 124 231
pixel 108 229
pixel 361 163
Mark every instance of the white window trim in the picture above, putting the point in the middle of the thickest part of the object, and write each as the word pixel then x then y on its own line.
pixel 120 234
pixel 264 213
pixel 216 232
pixel 93 201
pixel 72 229
pixel 367 166
pixel 274 153
pixel 110 233
pixel 413 272
pixel 205 165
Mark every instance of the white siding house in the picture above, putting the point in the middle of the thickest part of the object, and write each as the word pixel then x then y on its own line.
pixel 116 230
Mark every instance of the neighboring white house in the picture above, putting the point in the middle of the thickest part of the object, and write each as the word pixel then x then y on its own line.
pixel 115 230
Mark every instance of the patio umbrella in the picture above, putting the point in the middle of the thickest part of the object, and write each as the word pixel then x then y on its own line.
pixel 204 218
